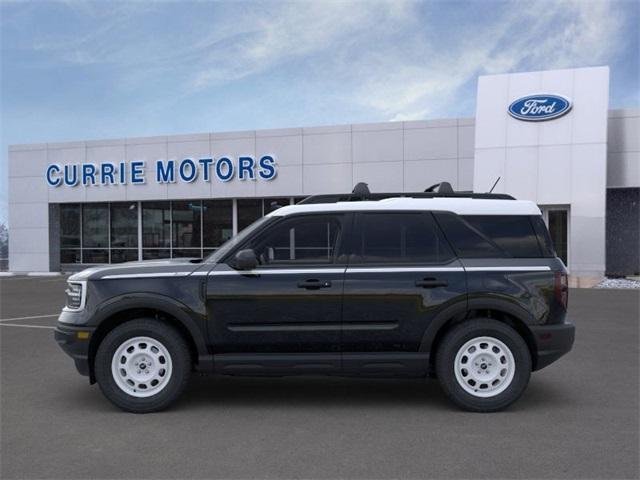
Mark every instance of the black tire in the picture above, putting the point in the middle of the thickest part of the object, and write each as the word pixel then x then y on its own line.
pixel 456 338
pixel 180 357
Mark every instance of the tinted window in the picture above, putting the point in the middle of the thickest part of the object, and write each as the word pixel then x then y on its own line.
pixel 310 239
pixel 467 241
pixel 400 238
pixel 217 222
pixel 543 236
pixel 514 234
pixel 249 210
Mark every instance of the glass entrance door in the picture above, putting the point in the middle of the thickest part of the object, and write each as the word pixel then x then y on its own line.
pixel 557 220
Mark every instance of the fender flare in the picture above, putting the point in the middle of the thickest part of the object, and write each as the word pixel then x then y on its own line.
pixel 461 308
pixel 195 327
pixel 455 310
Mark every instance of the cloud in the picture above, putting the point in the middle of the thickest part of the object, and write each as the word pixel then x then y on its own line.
pixel 295 30
pixel 393 58
pixel 533 36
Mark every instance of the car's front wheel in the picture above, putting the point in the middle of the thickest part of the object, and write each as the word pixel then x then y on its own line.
pixel 483 365
pixel 143 365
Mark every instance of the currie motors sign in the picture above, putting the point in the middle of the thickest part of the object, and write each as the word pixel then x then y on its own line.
pixel 537 108
pixel 188 170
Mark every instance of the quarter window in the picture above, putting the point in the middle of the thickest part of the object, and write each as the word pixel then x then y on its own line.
pixel 400 238
pixel 514 234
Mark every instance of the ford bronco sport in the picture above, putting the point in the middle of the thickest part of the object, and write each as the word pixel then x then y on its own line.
pixel 461 286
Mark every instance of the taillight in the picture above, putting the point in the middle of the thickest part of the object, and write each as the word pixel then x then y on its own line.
pixel 562 288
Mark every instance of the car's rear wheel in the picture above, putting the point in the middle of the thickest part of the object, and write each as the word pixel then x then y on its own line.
pixel 143 365
pixel 483 365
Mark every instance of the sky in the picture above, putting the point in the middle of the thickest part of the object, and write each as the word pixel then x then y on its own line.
pixel 75 70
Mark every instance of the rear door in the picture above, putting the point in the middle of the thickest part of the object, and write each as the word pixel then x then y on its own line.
pixel 401 274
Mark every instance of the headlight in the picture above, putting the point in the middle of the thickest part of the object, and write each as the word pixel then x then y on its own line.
pixel 76 292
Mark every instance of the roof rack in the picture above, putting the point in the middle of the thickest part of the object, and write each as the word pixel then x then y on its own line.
pixel 361 192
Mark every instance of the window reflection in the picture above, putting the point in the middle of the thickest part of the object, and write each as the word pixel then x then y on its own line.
pixel 95 233
pixel 249 210
pixel 217 223
pixel 95 225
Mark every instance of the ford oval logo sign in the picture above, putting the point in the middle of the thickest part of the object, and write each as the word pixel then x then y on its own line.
pixel 536 108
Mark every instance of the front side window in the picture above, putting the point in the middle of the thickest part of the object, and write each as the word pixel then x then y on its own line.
pixel 309 240
pixel 400 238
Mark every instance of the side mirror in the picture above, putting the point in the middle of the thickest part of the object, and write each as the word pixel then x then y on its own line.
pixel 245 260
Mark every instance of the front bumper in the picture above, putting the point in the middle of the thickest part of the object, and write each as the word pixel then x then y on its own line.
pixel 552 342
pixel 74 340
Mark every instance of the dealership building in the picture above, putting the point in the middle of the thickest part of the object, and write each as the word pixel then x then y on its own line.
pixel 547 136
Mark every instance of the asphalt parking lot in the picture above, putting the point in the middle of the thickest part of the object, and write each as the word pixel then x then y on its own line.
pixel 578 418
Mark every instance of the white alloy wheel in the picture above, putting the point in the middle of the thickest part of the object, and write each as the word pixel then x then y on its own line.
pixel 484 367
pixel 141 367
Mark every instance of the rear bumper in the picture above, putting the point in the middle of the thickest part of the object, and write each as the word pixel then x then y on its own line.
pixel 552 342
pixel 77 348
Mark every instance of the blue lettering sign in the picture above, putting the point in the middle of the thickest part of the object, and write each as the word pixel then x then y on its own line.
pixel 52 180
pixel 166 171
pixel 106 173
pixel 245 168
pixel 165 174
pixel 224 169
pixel 188 174
pixel 137 173
pixel 267 168
pixel 71 175
pixel 206 168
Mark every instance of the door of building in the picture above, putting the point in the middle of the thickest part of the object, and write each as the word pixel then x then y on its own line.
pixel 557 220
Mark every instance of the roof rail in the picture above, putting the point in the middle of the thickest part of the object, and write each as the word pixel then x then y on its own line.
pixel 439 190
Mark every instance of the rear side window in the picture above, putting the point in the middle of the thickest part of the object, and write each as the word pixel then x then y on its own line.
pixel 514 234
pixel 400 238
pixel 467 241
pixel 487 235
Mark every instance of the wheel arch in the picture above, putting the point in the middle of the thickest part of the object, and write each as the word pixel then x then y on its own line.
pixel 120 310
pixel 498 309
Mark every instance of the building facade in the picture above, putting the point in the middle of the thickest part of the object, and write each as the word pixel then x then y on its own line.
pixel 544 136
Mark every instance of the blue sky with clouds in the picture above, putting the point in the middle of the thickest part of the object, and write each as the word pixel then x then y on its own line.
pixel 83 70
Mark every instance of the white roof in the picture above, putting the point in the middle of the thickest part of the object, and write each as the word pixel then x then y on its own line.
pixel 461 206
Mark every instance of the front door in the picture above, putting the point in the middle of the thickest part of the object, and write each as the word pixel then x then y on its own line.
pixel 290 305
pixel 401 274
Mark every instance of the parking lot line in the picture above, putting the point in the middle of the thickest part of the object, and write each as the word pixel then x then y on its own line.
pixel 25 326
pixel 28 318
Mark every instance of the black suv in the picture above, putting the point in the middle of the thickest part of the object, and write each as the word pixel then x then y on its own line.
pixel 466 288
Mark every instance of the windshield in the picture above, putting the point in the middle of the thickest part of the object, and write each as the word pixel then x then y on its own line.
pixel 227 246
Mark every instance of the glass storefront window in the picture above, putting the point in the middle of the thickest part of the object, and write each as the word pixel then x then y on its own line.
pixel 108 232
pixel 186 228
pixel 68 255
pixel 249 210
pixel 217 222
pixel 156 230
pixel 271 204
pixel 124 225
pixel 155 253
pixel 70 238
pixel 124 255
pixel 95 226
pixel 95 255
pixel 69 226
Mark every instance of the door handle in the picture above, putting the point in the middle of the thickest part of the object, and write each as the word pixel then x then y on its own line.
pixel 431 283
pixel 314 284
